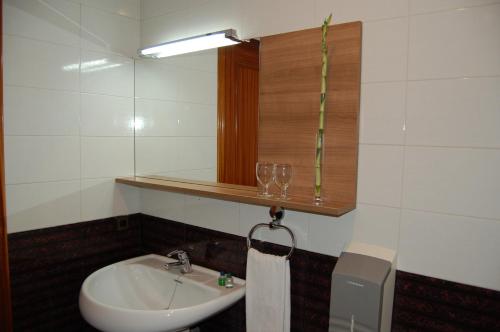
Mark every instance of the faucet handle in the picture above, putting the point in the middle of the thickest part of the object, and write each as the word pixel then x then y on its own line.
pixel 175 252
pixel 183 259
pixel 181 254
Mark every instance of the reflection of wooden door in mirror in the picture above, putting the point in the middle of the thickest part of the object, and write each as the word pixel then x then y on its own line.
pixel 237 113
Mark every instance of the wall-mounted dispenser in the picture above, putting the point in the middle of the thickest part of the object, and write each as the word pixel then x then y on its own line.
pixel 362 289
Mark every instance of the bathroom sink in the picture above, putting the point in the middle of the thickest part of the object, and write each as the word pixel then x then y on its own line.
pixel 140 295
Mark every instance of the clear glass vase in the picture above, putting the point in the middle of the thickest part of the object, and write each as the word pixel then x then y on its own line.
pixel 318 168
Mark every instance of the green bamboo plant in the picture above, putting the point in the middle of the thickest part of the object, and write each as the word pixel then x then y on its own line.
pixel 320 134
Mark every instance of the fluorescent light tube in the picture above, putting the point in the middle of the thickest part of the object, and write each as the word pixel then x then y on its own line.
pixel 191 44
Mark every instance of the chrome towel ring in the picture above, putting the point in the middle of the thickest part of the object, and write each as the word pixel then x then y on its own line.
pixel 276 215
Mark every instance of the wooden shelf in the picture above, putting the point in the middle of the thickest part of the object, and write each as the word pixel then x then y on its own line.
pixel 235 193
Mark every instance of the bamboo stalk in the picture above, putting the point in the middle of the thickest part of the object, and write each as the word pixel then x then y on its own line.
pixel 320 134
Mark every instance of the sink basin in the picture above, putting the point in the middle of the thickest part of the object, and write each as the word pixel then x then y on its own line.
pixel 140 295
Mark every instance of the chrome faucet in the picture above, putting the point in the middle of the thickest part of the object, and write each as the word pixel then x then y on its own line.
pixel 182 262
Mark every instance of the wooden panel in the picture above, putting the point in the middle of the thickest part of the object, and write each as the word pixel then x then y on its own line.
pixel 5 299
pixel 235 193
pixel 290 73
pixel 237 114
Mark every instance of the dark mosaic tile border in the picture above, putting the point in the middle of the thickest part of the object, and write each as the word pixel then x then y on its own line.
pixel 420 304
pixel 430 304
pixel 49 265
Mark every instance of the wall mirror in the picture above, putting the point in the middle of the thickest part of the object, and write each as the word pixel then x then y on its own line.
pixel 176 115
pixel 183 104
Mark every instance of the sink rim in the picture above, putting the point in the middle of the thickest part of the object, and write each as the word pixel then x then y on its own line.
pixel 235 292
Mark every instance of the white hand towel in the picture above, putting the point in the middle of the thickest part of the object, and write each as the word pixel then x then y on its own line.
pixel 267 293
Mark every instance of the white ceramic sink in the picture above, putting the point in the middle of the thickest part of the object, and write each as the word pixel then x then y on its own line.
pixel 140 295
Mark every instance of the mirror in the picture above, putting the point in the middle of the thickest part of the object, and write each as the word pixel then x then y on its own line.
pixel 183 131
pixel 288 65
pixel 176 116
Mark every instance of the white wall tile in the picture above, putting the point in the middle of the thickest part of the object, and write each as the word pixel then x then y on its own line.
pixel 384 53
pixel 107 115
pixel 364 10
pixel 197 119
pixel 249 215
pixel 457 112
pixel 214 15
pixel 106 32
pixel 205 174
pixel 152 8
pixel 128 8
pixel 263 18
pixel 455 43
pixel 167 118
pixel 166 28
pixel 107 157
pixel 103 198
pixel 55 21
pixel 197 152
pixel 163 204
pixel 455 248
pixel 54 66
pixel 380 174
pixel 455 181
pixel 41 158
pixel 40 205
pixel 107 74
pixel 376 225
pixel 382 113
pixel 155 80
pixel 426 6
pixel 329 235
pixel 203 60
pixel 212 214
pixel 157 117
pixel 197 86
pixel 155 155
pixel 298 222
pixel 33 111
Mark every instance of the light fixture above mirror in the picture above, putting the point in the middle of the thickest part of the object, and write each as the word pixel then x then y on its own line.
pixel 191 44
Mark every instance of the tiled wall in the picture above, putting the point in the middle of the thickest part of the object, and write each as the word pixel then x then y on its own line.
pixel 420 303
pixel 49 265
pixel 176 116
pixel 68 94
pixel 428 183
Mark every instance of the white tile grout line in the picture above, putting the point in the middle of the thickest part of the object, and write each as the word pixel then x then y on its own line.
pixel 451 214
pixel 134 124
pixel 86 49
pixel 106 11
pixel 464 147
pixel 98 178
pixel 403 164
pixel 444 78
pixel 429 211
pixel 454 9
pixel 80 111
pixel 64 90
pixel 75 136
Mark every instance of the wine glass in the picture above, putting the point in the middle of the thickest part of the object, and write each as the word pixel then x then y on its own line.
pixel 283 177
pixel 265 175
